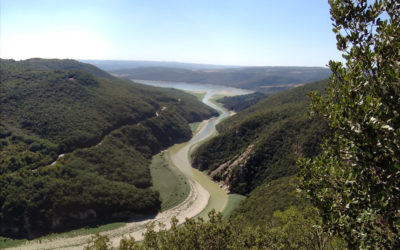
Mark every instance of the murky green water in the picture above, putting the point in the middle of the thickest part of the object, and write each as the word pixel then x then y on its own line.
pixel 179 153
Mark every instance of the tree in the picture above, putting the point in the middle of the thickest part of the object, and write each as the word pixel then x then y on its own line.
pixel 297 229
pixel 355 181
pixel 290 229
pixel 100 242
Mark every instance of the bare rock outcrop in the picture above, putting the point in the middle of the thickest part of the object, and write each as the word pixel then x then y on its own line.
pixel 224 172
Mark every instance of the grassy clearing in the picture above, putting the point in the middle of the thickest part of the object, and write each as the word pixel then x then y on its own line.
pixel 168 181
pixel 198 95
pixel 7 242
pixel 233 202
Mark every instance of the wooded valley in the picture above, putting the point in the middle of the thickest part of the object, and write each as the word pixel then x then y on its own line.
pixel 106 127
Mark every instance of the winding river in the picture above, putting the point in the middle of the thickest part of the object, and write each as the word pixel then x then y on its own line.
pixel 179 153
pixel 204 196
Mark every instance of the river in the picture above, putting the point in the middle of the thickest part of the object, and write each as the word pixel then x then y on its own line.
pixel 179 153
pixel 204 195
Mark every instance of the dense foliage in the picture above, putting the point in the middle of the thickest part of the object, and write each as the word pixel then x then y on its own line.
pixel 39 64
pixel 263 79
pixel 112 126
pixel 261 143
pixel 241 102
pixel 355 180
pixel 19 150
pixel 289 229
pixel 260 205
pixel 58 105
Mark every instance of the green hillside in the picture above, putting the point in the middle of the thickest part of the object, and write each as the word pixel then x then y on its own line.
pixel 108 129
pixel 261 143
pixel 58 64
pixel 255 154
pixel 241 102
pixel 259 207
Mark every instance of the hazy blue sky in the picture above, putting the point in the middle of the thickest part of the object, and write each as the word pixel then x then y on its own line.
pixel 234 32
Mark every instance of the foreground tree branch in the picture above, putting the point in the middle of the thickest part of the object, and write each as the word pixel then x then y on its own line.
pixel 355 181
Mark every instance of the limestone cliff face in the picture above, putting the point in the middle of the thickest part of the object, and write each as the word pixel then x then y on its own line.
pixel 225 171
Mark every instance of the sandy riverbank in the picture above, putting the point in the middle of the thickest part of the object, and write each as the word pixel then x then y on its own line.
pixel 196 202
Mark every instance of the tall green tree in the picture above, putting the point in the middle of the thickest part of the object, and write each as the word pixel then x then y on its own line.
pixel 355 181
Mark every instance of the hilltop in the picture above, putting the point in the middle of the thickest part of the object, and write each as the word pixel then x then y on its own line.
pixel 107 128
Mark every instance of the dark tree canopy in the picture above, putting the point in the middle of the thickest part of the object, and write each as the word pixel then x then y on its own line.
pixel 355 180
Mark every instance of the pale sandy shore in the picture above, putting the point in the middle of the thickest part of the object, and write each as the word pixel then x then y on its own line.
pixel 196 201
pixel 193 205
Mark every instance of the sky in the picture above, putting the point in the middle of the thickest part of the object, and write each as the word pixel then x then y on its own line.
pixel 227 32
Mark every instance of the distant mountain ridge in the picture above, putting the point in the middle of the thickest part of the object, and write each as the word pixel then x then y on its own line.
pixel 61 64
pixel 129 64
pixel 267 80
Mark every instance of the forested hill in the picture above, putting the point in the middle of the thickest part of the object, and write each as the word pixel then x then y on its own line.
pixel 263 79
pixel 109 129
pixel 57 64
pixel 241 102
pixel 261 143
